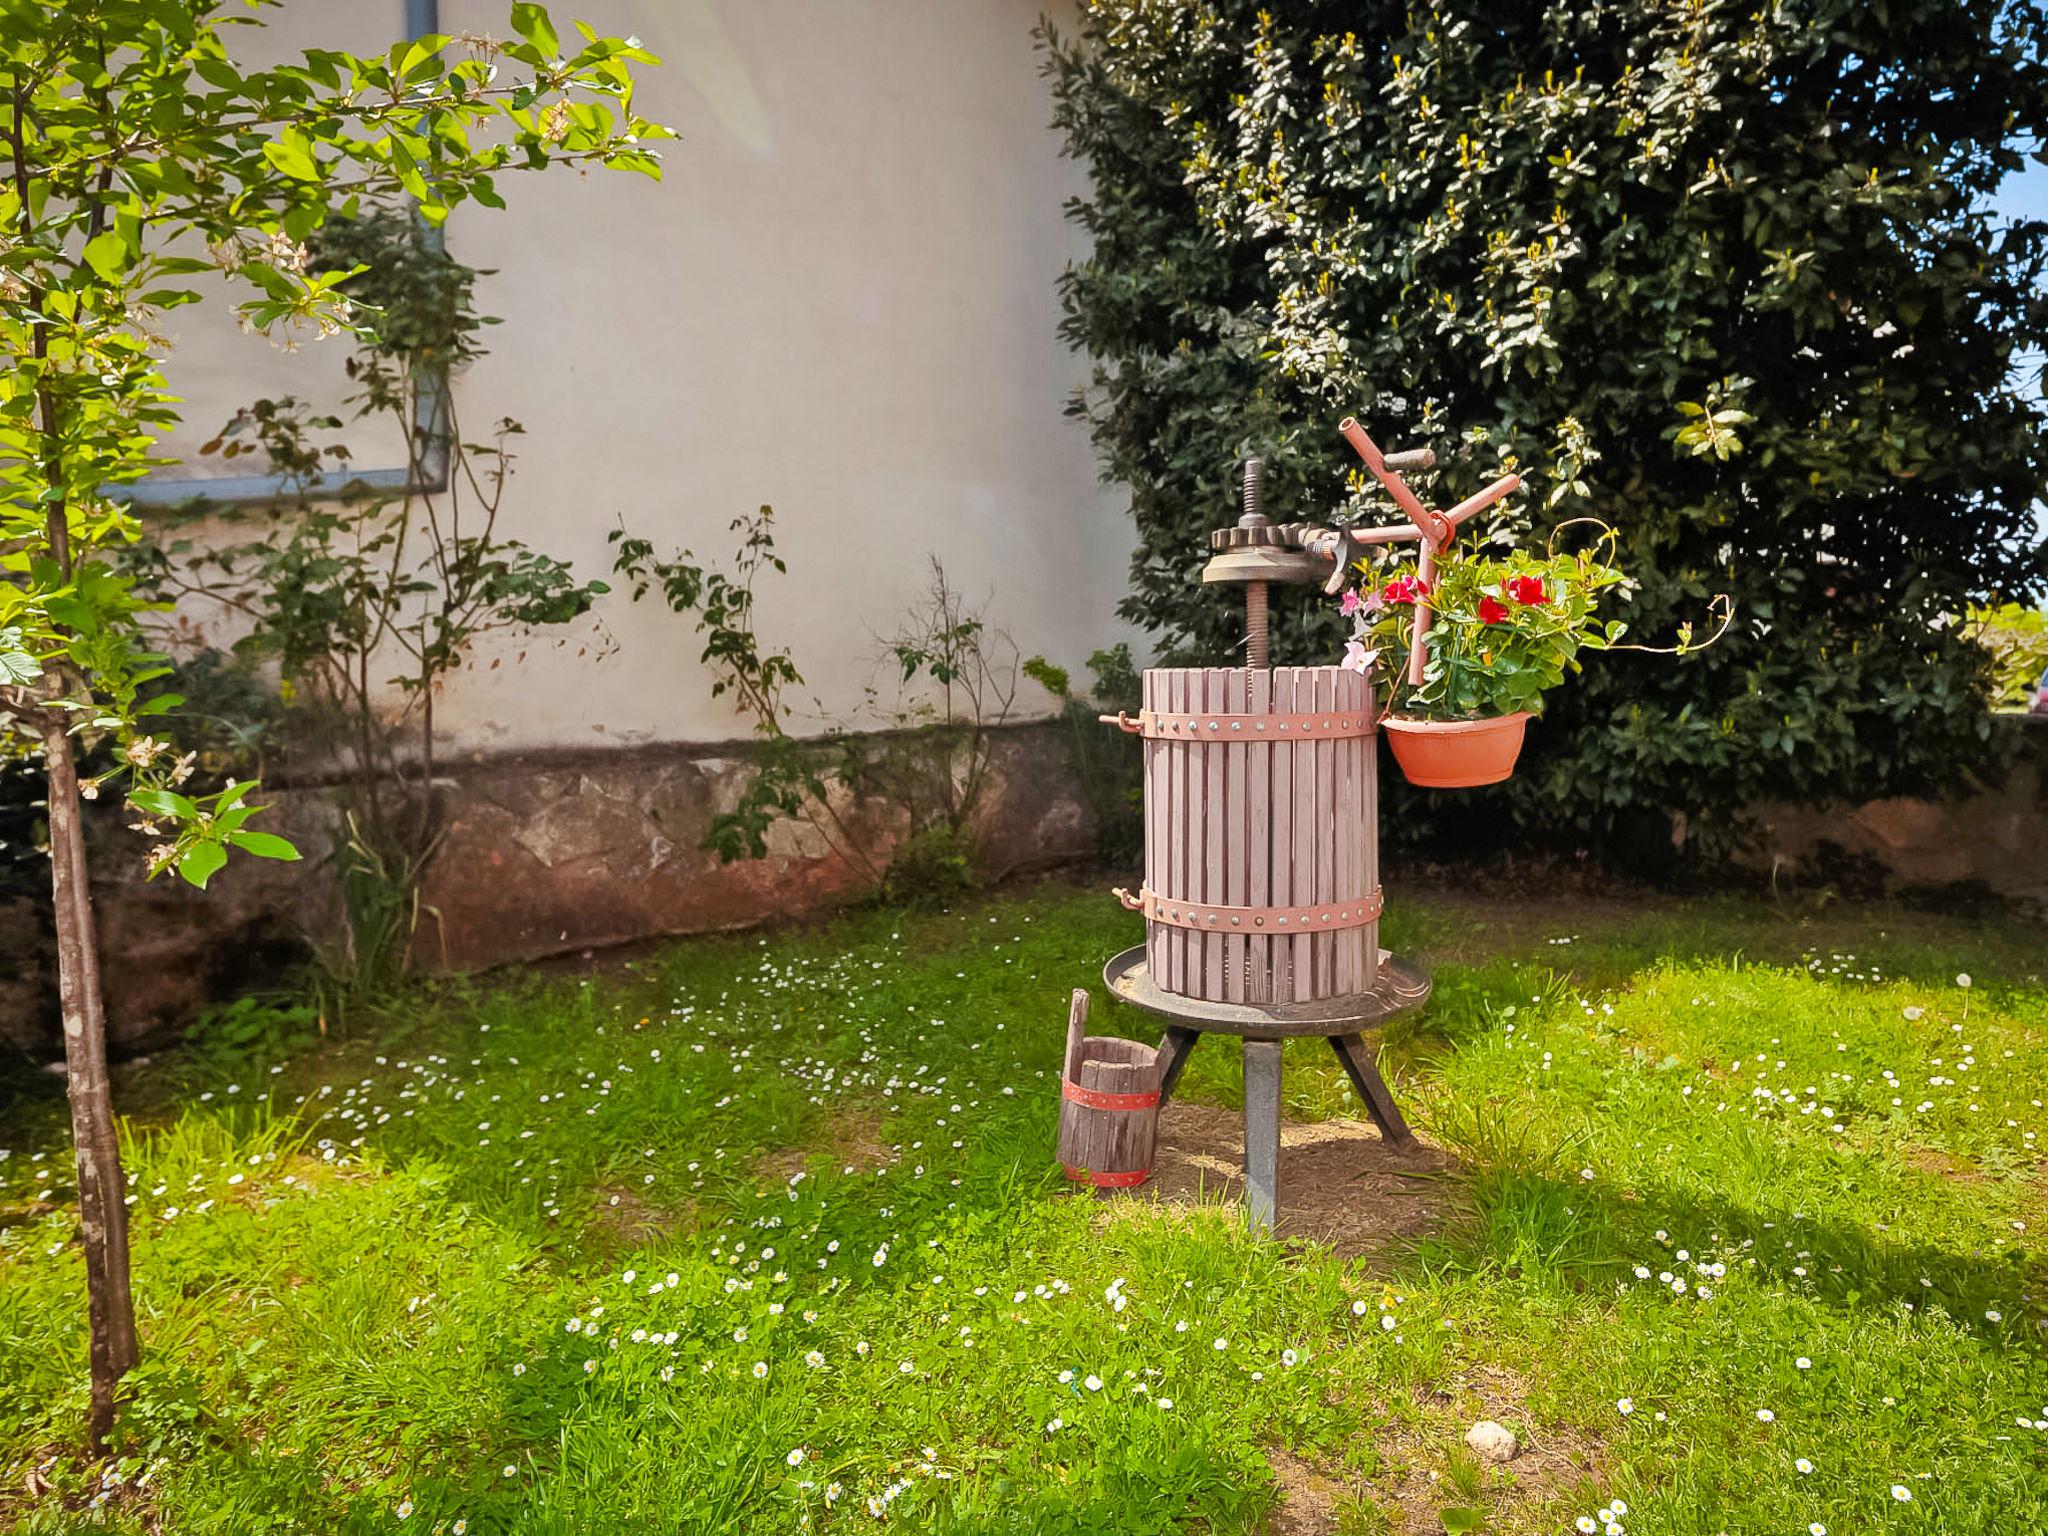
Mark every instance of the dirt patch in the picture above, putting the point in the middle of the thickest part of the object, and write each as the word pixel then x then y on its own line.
pixel 1928 1160
pixel 1309 1498
pixel 852 1139
pixel 629 1220
pixel 1426 1466
pixel 1423 1467
pixel 1340 1184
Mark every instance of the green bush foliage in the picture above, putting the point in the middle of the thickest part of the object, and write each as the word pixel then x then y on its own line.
pixel 1724 276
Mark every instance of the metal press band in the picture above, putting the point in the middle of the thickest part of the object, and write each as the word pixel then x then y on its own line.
pixel 1205 917
pixel 1154 723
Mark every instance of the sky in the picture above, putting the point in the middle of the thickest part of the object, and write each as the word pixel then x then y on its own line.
pixel 2026 196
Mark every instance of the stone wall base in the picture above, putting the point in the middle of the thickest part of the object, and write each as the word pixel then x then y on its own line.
pixel 543 853
pixel 1994 841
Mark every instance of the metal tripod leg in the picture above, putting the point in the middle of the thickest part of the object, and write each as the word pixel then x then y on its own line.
pixel 1262 1131
pixel 1175 1046
pixel 1372 1088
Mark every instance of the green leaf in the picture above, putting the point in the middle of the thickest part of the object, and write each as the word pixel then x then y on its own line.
pixel 201 862
pixel 1459 1522
pixel 291 152
pixel 422 50
pixel 162 802
pixel 218 72
pixel 107 254
pixel 16 664
pixel 264 845
pixel 531 22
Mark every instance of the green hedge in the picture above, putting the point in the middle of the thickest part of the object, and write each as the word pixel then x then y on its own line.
pixel 1721 274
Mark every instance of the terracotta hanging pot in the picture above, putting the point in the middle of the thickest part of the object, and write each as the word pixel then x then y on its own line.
pixel 1456 754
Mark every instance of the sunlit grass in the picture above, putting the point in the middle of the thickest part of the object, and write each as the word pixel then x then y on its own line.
pixel 767 1236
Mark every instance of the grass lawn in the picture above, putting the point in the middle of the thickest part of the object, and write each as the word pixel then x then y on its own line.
pixel 1737 1234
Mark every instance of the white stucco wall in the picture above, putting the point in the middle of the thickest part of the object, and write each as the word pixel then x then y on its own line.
pixel 840 301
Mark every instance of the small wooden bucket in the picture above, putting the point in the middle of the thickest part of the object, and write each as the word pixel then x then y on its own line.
pixel 1109 1106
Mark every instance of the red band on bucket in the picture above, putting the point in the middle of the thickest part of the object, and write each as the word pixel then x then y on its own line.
pixel 1090 1099
pixel 1108 1180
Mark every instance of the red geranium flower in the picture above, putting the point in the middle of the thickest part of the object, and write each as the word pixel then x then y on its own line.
pixel 1527 589
pixel 1406 589
pixel 1491 612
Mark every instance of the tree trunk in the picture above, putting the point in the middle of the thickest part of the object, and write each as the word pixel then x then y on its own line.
pixel 102 1188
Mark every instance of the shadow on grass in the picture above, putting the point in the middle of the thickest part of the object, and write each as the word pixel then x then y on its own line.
pixel 1543 1226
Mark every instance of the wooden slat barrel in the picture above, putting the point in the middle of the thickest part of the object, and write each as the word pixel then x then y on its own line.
pixel 1261 833
pixel 1109 1106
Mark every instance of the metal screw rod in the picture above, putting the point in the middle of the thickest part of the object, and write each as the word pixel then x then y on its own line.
pixel 1257 653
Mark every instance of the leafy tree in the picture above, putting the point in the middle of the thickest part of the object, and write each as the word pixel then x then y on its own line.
pixel 135 154
pixel 1724 275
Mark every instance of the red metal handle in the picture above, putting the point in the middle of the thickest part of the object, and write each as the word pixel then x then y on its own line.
pixel 1432 525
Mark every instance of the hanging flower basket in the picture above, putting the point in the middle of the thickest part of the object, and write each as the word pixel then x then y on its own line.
pixel 1456 754
pixel 1470 641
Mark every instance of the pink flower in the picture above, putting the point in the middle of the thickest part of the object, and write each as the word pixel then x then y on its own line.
pixel 1357 658
pixel 1351 603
